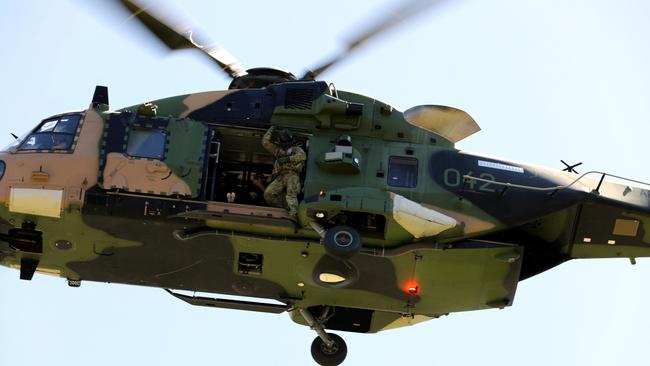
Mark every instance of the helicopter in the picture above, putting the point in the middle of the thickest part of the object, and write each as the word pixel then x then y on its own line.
pixel 506 194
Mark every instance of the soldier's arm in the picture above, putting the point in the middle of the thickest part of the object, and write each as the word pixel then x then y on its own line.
pixel 298 155
pixel 267 143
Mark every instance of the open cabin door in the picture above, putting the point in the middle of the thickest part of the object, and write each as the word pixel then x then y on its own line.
pixel 153 155
pixel 237 171
pixel 237 167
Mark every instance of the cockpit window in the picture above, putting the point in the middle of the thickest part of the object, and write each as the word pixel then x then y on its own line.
pixel 67 125
pixel 147 143
pixel 48 126
pixel 52 134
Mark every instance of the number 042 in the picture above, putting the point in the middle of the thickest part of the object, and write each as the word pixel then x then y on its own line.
pixel 453 178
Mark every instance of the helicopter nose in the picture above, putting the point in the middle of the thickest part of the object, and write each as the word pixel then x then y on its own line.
pixel 3 179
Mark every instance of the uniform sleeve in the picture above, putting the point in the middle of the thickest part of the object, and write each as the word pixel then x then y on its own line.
pixel 298 155
pixel 266 142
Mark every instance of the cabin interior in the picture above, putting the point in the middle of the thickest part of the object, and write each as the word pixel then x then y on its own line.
pixel 238 167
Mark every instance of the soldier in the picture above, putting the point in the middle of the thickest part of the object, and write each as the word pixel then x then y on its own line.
pixel 289 160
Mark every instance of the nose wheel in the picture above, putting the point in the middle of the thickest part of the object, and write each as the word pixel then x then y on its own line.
pixel 327 349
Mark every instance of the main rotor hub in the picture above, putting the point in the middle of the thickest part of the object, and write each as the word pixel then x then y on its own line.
pixel 260 77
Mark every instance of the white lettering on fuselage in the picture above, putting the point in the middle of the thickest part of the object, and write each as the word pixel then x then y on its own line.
pixel 493 165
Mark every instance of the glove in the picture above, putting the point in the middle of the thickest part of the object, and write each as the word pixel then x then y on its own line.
pixel 283 159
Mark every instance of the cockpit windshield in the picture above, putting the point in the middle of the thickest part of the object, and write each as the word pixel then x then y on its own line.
pixel 53 134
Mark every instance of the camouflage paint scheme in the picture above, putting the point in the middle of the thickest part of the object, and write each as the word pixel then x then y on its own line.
pixel 148 222
pixel 284 190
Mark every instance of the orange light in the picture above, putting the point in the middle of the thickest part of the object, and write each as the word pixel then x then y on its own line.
pixel 322 193
pixel 412 288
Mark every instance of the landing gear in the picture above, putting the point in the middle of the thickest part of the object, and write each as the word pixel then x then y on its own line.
pixel 327 349
pixel 329 356
pixel 342 241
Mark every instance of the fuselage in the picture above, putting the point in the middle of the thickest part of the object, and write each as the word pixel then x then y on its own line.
pixel 163 195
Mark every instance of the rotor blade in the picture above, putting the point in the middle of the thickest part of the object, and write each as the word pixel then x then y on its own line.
pixel 176 38
pixel 395 17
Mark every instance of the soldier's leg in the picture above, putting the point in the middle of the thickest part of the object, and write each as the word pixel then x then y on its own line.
pixel 283 200
pixel 293 188
pixel 274 192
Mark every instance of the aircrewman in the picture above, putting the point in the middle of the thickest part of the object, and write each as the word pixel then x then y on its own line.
pixel 289 161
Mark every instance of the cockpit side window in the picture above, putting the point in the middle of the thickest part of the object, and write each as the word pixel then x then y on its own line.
pixel 53 134
pixel 147 143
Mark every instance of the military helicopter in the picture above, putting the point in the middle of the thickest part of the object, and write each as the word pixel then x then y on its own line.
pixel 467 193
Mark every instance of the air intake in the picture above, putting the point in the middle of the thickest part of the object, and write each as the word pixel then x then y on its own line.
pixel 299 98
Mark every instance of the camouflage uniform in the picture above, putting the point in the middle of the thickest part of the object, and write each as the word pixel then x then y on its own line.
pixel 286 183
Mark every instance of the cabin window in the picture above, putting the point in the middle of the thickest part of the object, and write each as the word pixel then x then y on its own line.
pixel 53 134
pixel 402 172
pixel 147 143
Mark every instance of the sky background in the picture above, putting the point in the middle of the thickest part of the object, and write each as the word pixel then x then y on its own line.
pixel 546 80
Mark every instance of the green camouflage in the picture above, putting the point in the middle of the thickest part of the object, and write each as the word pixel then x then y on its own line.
pixel 294 155
pixel 384 223
pixel 284 190
pixel 442 230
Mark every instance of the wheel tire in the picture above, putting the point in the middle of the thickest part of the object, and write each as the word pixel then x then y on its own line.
pixel 329 356
pixel 342 241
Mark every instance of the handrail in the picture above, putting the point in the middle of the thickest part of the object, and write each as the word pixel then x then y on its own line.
pixel 508 185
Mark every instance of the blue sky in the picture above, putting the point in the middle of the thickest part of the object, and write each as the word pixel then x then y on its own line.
pixel 546 80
